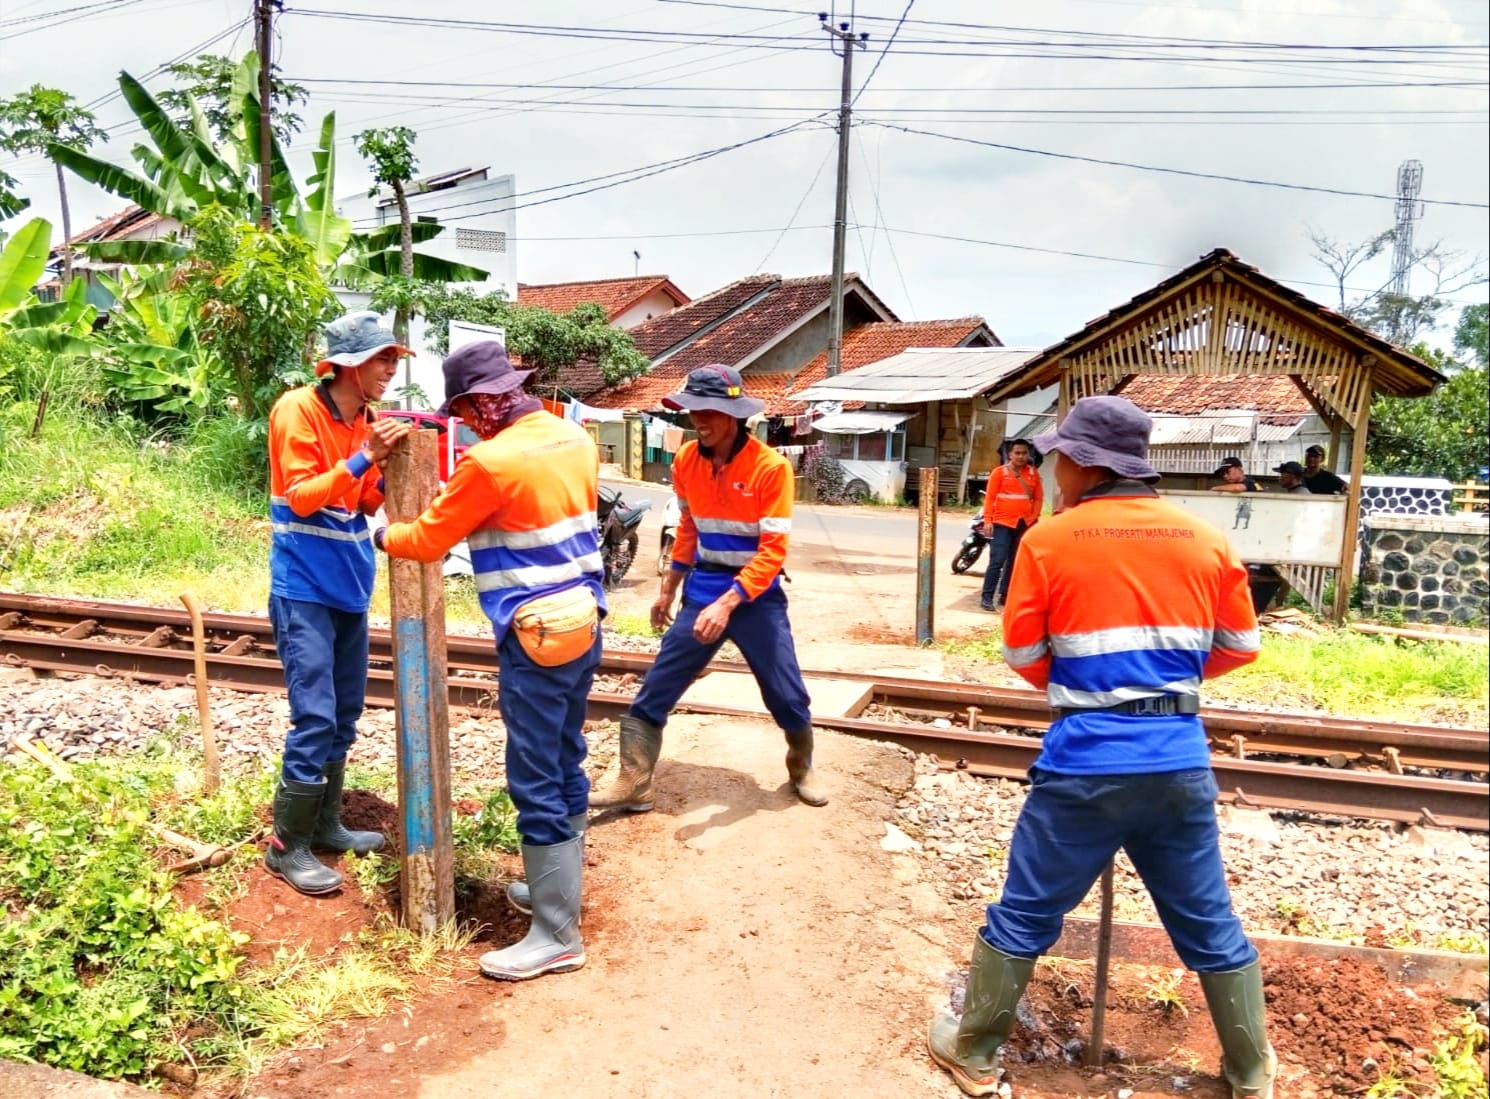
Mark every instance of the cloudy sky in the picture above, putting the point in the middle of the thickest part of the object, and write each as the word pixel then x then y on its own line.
pixel 569 90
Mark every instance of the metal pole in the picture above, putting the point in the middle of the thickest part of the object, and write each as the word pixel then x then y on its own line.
pixel 848 40
pixel 265 17
pixel 417 599
pixel 926 558
pixel 1104 954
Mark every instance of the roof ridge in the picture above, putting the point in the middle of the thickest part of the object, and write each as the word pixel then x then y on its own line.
pixel 593 282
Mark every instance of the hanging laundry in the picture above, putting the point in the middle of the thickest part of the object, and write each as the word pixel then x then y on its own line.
pixel 672 439
pixel 803 424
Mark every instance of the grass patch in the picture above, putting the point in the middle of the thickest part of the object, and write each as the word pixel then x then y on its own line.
pixel 1341 672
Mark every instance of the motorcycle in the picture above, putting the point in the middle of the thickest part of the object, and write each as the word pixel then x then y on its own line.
pixel 619 540
pixel 671 515
pixel 971 548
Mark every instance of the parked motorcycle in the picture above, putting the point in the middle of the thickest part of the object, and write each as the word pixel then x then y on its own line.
pixel 971 548
pixel 619 539
pixel 671 514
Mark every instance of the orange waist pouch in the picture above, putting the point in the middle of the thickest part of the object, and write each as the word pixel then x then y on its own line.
pixel 556 629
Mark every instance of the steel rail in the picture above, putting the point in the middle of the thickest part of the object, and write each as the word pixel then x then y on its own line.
pixel 243 662
pixel 1238 732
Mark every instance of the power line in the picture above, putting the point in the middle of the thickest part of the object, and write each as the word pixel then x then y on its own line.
pixel 1171 171
pixel 878 61
pixel 797 210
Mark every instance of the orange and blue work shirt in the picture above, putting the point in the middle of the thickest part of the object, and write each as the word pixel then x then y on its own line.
pixel 322 487
pixel 1013 496
pixel 733 522
pixel 524 500
pixel 1123 597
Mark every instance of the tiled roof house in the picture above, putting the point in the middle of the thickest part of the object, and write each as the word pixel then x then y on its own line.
pixel 627 301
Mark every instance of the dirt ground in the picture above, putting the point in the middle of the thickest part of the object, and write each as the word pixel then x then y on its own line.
pixel 743 945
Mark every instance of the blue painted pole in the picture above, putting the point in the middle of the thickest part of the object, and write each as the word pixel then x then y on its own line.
pixel 417 607
pixel 926 559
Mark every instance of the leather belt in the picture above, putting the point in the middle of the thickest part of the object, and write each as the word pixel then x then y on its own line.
pixel 1159 706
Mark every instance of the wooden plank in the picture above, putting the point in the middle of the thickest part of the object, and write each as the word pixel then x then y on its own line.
pixel 1360 425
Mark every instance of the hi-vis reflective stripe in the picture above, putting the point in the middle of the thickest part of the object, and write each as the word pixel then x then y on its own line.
pixel 1238 641
pixel 336 515
pixel 1013 496
pixel 321 532
pixel 1025 654
pixel 1069 698
pixel 1123 639
pixel 732 558
pixel 776 525
pixel 561 531
pixel 727 526
pixel 538 576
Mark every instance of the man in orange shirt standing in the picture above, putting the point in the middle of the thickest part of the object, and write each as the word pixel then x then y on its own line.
pixel 1011 506
pixel 1120 606
pixel 735 501
pixel 524 499
pixel 325 447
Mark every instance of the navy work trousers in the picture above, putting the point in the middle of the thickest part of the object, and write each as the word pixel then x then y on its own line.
pixel 324 653
pixel 544 711
pixel 763 635
pixel 1072 824
pixel 1003 543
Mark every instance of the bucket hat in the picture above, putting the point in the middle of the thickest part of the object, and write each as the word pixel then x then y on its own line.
pixel 1111 432
pixel 716 388
pixel 354 338
pixel 1229 463
pixel 481 367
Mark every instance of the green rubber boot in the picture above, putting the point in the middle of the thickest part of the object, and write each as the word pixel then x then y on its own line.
pixel 518 894
pixel 288 856
pixel 641 744
pixel 331 833
pixel 552 944
pixel 969 1048
pixel 799 767
pixel 1240 1014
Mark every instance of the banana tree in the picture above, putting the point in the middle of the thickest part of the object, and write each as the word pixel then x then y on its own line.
pixel 58 327
pixel 150 353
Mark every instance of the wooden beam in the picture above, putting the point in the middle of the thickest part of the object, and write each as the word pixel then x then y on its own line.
pixel 1346 575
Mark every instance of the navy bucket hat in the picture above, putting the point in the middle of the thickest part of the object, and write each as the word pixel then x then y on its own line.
pixel 716 388
pixel 1110 432
pixel 481 367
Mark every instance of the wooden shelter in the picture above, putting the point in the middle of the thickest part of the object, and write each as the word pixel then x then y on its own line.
pixel 1220 316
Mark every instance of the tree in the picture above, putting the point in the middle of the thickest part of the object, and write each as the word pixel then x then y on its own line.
pixel 41 120
pixel 211 80
pixel 390 153
pixel 547 342
pixel 1342 259
pixel 1472 334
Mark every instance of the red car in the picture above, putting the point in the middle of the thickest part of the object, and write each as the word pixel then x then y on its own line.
pixel 464 436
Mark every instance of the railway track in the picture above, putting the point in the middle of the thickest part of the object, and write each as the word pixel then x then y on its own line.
pixel 1369 773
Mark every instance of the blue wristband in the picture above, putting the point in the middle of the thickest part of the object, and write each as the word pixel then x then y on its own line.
pixel 358 464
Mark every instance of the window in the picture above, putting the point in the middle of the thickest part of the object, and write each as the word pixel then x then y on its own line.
pixel 481 240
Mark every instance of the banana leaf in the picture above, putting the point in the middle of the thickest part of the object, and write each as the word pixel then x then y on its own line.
pixel 121 181
pixel 318 223
pixel 22 263
pixel 136 252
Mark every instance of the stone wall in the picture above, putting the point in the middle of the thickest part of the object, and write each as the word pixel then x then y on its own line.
pixel 1430 569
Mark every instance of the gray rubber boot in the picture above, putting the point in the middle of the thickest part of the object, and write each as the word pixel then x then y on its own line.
pixel 331 833
pixel 1240 1014
pixel 969 1048
pixel 799 767
pixel 518 894
pixel 288 856
pixel 552 944
pixel 641 744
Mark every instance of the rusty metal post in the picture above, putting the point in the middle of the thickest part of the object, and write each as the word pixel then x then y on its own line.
pixel 926 558
pixel 417 607
pixel 1104 955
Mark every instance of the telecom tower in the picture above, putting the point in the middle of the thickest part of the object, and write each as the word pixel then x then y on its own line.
pixel 1409 210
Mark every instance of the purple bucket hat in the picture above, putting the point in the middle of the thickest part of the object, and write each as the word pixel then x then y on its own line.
pixel 1111 432
pixel 481 367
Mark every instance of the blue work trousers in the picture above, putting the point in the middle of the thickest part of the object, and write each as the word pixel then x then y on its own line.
pixel 763 635
pixel 324 653
pixel 1072 824
pixel 1003 544
pixel 544 711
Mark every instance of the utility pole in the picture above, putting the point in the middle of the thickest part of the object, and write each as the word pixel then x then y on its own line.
pixel 264 15
pixel 847 41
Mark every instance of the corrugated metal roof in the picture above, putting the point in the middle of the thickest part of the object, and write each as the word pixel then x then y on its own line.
pixel 921 374
pixel 860 423
pixel 1226 428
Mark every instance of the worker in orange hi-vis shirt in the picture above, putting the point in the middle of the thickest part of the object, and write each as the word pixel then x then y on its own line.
pixel 524 499
pixel 1011 505
pixel 735 502
pixel 1120 606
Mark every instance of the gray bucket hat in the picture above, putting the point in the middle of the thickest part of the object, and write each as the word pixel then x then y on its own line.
pixel 1110 432
pixel 353 339
pixel 716 388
